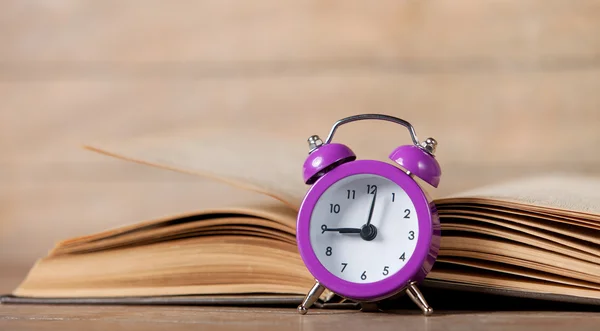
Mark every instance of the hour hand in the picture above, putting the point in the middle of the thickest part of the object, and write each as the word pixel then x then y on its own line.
pixel 340 230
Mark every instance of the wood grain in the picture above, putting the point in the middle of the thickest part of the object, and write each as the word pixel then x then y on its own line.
pixel 502 33
pixel 508 88
pixel 14 317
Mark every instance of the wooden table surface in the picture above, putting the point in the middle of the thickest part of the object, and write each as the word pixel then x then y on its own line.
pixel 39 317
pixel 175 318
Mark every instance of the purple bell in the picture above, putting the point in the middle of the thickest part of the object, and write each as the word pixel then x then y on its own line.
pixel 419 161
pixel 324 158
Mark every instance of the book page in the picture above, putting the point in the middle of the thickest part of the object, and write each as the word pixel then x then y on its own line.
pixel 226 224
pixel 218 204
pixel 488 281
pixel 265 163
pixel 572 193
pixel 583 236
pixel 255 265
pixel 264 160
pixel 270 163
pixel 518 271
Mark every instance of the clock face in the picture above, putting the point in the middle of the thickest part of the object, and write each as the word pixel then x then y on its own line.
pixel 350 246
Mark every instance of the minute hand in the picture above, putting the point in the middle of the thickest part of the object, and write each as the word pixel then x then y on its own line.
pixel 372 207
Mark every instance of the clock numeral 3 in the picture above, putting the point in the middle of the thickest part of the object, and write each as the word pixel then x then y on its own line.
pixel 364 275
pixel 344 266
pixel 386 271
pixel 402 257
pixel 411 235
pixel 328 251
pixel 334 208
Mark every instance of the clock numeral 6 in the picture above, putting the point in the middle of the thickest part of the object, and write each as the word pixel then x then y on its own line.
pixel 364 275
pixel 328 251
pixel 411 235
pixel 386 271
pixel 334 208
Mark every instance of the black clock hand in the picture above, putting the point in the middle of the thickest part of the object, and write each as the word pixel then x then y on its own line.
pixel 372 207
pixel 340 230
pixel 369 231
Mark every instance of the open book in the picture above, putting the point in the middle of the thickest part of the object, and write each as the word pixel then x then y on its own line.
pixel 529 238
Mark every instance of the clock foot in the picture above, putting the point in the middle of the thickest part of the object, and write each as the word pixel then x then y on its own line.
pixel 418 298
pixel 311 298
pixel 369 307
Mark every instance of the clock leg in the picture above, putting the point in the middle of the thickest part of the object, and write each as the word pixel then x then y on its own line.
pixel 311 298
pixel 418 298
pixel 369 307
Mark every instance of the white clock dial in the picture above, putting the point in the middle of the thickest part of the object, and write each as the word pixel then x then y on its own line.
pixel 344 208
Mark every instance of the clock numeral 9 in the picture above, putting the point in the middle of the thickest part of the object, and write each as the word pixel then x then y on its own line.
pixel 364 275
pixel 328 251
pixel 386 271
pixel 411 235
pixel 371 189
pixel 334 208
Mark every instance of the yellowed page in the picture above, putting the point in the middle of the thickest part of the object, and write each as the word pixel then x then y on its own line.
pixel 566 194
pixel 244 203
pixel 499 281
pixel 193 265
pixel 166 231
pixel 518 271
pixel 270 164
pixel 531 238
pixel 572 235
pixel 513 253
pixel 266 161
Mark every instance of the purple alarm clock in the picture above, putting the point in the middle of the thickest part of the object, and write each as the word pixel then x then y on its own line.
pixel 366 230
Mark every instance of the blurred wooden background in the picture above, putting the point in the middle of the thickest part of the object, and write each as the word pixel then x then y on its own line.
pixel 509 88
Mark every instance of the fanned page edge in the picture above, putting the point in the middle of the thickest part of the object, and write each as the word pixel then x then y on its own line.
pixel 518 194
pixel 288 201
pixel 270 213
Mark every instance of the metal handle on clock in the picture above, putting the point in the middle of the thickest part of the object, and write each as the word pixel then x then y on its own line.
pixel 382 117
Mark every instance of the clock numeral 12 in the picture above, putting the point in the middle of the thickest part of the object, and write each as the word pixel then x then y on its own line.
pixel 371 189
